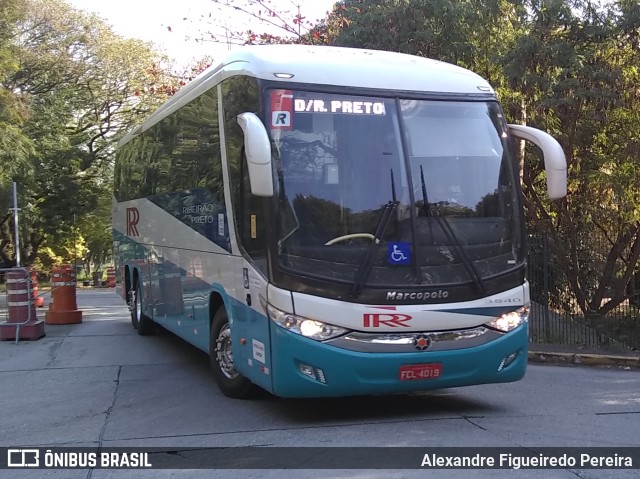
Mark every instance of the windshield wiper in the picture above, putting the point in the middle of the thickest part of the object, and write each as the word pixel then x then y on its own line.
pixel 367 263
pixel 431 209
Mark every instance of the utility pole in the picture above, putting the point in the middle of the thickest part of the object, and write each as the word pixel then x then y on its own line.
pixel 75 246
pixel 15 222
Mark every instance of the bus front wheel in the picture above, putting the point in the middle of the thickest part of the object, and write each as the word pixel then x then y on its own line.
pixel 230 381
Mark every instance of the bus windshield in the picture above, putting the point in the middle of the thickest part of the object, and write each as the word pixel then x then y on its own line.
pixel 384 191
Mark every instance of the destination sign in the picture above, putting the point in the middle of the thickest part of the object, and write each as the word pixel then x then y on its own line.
pixel 352 107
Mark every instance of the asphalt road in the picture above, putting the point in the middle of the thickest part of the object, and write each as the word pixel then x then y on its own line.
pixel 100 384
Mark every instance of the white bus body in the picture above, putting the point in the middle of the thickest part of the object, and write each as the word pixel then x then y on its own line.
pixel 330 222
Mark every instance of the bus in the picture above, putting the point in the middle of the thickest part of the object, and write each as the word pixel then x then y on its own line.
pixel 331 222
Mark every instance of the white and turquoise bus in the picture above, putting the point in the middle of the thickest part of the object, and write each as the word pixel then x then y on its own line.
pixel 331 222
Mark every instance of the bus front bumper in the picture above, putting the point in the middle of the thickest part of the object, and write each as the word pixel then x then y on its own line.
pixel 302 367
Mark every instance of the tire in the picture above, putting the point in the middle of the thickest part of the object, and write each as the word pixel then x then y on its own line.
pixel 132 299
pixel 231 382
pixel 140 321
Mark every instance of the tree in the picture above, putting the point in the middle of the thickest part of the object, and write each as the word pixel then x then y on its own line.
pixel 95 229
pixel 278 24
pixel 82 87
pixel 575 71
pixel 15 146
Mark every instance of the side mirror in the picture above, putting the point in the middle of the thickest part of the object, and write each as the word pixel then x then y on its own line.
pixel 257 148
pixel 555 163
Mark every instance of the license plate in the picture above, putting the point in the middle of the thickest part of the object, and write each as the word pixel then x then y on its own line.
pixel 413 372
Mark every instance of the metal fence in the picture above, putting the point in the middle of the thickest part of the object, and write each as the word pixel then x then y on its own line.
pixel 555 317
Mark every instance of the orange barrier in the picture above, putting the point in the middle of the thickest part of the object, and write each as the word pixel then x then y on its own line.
pixel 22 321
pixel 111 277
pixel 63 308
pixel 38 301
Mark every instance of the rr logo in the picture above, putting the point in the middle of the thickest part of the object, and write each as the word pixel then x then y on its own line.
pixel 374 320
pixel 133 216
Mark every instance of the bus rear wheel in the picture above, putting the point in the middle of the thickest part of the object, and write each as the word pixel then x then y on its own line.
pixel 230 381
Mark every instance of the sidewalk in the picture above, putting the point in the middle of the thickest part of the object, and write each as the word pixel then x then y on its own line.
pixel 579 355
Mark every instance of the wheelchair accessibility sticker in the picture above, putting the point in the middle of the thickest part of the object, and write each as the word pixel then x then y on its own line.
pixel 399 253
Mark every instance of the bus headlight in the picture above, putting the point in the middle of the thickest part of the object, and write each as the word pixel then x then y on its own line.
pixel 306 327
pixel 510 321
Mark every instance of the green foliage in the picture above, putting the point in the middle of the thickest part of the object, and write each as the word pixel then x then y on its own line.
pixel 70 89
pixel 15 146
pixel 575 72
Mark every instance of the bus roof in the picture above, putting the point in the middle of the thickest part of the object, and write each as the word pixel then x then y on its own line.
pixel 356 68
pixel 327 65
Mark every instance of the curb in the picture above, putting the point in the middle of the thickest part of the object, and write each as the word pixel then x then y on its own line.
pixel 584 359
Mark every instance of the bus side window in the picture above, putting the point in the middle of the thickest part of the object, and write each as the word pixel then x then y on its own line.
pixel 239 95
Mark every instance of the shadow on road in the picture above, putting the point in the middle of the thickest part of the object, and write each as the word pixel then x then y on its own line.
pixel 431 404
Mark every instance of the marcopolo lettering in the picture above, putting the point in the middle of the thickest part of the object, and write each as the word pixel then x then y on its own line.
pixel 397 295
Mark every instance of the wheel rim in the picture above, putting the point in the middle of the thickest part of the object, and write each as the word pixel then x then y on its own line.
pixel 224 356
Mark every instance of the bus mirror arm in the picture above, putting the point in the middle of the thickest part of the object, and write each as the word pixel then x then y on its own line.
pixel 555 163
pixel 257 149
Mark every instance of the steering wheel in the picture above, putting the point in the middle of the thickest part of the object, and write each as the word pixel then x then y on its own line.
pixel 350 237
